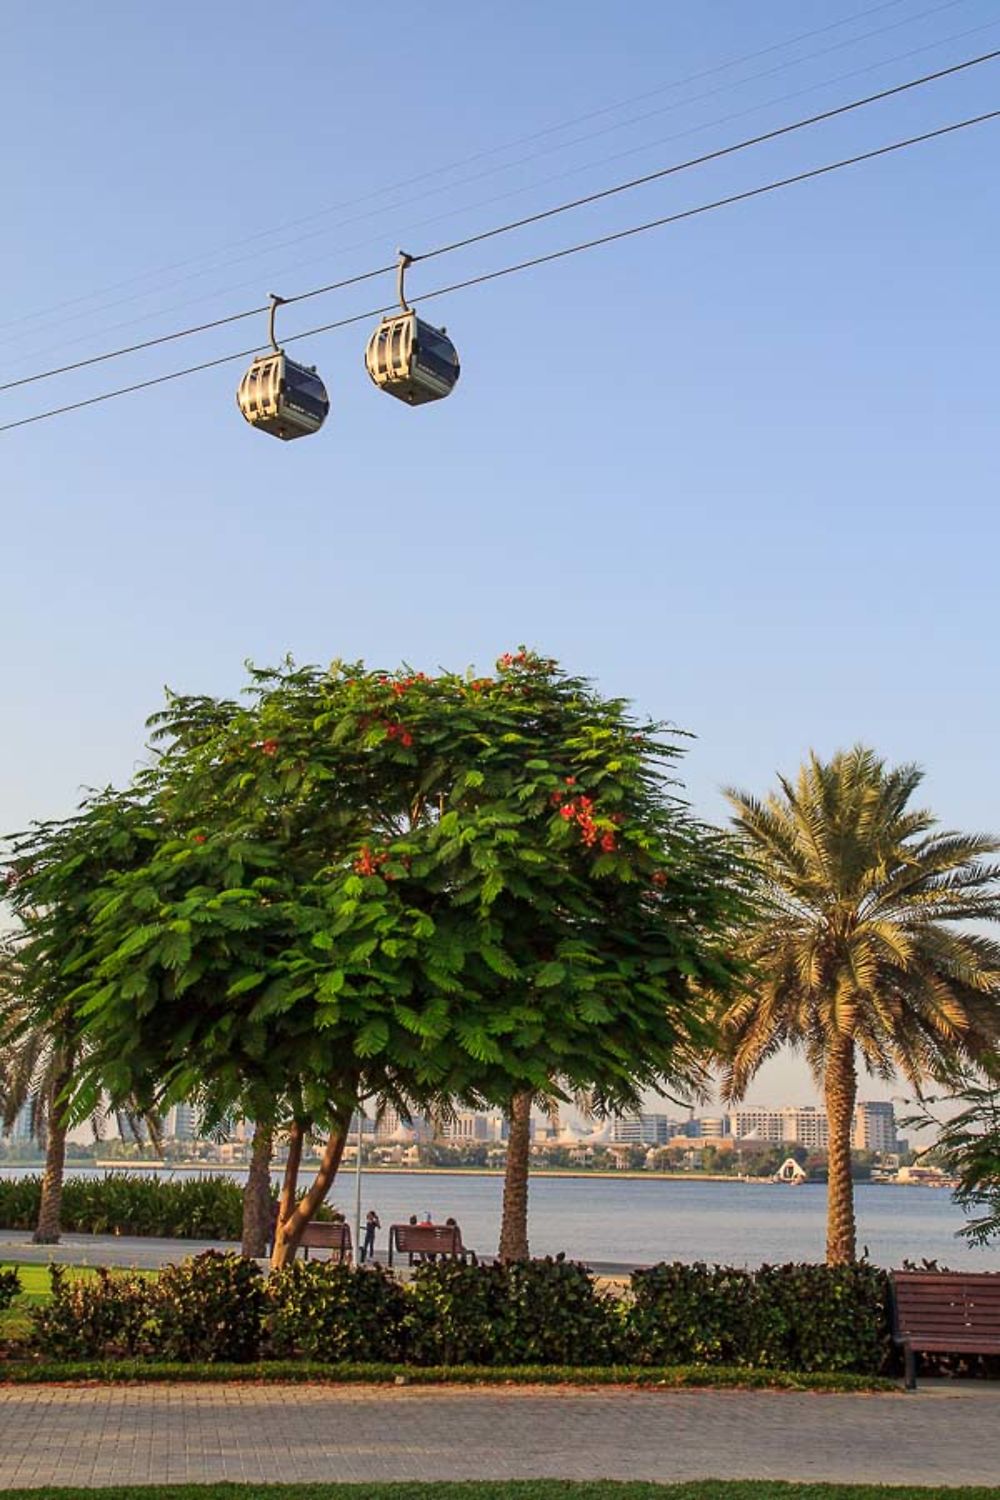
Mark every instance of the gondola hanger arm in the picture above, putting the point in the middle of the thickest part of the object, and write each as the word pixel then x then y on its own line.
pixel 404 261
pixel 276 302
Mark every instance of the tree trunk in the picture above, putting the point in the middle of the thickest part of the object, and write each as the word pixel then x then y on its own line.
pixel 50 1209
pixel 293 1220
pixel 257 1194
pixel 840 1086
pixel 514 1221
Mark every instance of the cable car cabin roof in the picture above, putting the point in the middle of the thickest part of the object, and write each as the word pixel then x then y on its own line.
pixel 411 359
pixel 283 398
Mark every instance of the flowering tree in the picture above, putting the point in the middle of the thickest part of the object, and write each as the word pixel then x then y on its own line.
pixel 419 889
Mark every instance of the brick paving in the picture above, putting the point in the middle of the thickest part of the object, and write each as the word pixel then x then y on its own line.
pixel 94 1436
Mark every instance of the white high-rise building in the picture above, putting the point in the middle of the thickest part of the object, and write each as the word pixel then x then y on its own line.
pixel 796 1125
pixel 182 1122
pixel 874 1126
pixel 466 1126
pixel 642 1129
pixel 21 1128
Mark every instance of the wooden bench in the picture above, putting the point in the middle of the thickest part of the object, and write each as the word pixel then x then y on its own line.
pixel 320 1234
pixel 429 1240
pixel 944 1312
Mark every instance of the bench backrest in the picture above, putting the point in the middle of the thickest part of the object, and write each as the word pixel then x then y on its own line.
pixel 928 1304
pixel 320 1235
pixel 427 1239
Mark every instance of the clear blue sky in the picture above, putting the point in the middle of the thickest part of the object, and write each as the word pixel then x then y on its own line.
pixel 742 470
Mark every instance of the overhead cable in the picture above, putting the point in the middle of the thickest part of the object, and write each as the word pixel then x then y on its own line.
pixel 525 265
pixel 506 146
pixel 522 223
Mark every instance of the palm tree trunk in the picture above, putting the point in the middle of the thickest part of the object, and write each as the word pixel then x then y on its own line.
pixel 257 1194
pixel 840 1086
pixel 50 1209
pixel 514 1220
pixel 293 1220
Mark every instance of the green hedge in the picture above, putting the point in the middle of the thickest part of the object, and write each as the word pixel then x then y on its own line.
pixel 793 1317
pixel 202 1207
pixel 539 1313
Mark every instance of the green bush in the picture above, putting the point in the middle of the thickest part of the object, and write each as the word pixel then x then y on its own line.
pixel 104 1314
pixel 322 1310
pixel 832 1317
pixel 540 1312
pixel 554 1315
pixel 198 1207
pixel 10 1286
pixel 793 1317
pixel 698 1314
pixel 210 1308
pixel 455 1313
pixel 202 1207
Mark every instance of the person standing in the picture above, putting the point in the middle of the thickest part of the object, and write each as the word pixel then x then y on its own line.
pixel 372 1222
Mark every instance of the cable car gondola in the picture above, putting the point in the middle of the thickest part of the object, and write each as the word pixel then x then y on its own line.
pixel 409 358
pixel 281 397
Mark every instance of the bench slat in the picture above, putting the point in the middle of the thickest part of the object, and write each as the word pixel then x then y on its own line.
pixel 944 1312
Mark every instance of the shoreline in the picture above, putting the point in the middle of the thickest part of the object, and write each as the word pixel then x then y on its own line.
pixel 580 1174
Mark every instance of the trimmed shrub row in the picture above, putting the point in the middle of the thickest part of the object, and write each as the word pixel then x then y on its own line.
pixel 191 1208
pixel 219 1308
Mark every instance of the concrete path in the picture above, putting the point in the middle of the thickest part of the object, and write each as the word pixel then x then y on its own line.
pixel 146 1253
pixel 92 1436
pixel 142 1252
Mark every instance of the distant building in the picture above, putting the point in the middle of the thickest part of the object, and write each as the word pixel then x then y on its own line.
pixel 182 1123
pixel 21 1128
pixel 874 1127
pixel 464 1128
pixel 802 1125
pixel 714 1127
pixel 642 1130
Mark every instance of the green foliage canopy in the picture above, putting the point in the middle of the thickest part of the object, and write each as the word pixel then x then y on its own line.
pixel 380 883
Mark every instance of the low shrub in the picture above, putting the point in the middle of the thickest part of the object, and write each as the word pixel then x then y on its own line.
pixel 321 1310
pixel 195 1207
pixel 10 1286
pixel 831 1317
pixel 699 1314
pixel 793 1317
pixel 455 1313
pixel 554 1315
pixel 542 1312
pixel 209 1308
pixel 106 1314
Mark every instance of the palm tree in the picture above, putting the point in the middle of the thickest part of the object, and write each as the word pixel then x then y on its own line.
pixel 37 1062
pixel 855 950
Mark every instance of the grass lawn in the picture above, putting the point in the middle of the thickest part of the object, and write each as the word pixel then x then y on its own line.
pixel 35 1289
pixel 524 1489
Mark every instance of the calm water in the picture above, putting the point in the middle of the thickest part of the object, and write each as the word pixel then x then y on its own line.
pixel 642 1220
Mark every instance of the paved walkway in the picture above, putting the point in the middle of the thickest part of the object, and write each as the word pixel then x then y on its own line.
pixel 170 1434
pixel 148 1253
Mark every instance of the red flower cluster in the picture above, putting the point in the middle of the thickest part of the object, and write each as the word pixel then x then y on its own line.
pixel 368 863
pixel 580 810
pixel 400 687
pixel 659 877
pixel 512 659
pixel 479 683
pixel 397 732
pixel 199 838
